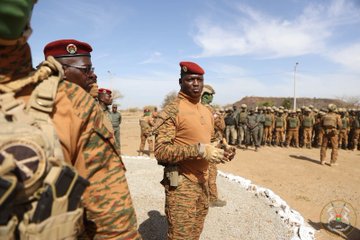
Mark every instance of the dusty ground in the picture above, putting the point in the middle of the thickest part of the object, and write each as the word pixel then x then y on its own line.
pixel 293 174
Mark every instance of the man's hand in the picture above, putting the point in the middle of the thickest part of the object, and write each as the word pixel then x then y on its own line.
pixel 229 151
pixel 212 154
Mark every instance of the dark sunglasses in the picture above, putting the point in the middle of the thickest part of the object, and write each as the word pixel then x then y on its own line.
pixel 85 69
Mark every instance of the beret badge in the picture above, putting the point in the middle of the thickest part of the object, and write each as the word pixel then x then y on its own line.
pixel 184 68
pixel 71 48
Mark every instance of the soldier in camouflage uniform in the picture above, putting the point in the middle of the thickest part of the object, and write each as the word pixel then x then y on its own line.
pixel 183 133
pixel 280 128
pixel 219 127
pixel 330 123
pixel 344 130
pixel 307 124
pixel 146 123
pixel 115 117
pixel 86 143
pixel 355 124
pixel 261 117
pixel 268 126
pixel 292 133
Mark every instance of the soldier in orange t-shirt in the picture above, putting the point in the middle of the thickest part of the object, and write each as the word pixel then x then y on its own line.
pixel 183 132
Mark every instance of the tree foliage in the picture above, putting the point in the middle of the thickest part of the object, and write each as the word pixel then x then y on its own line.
pixel 169 98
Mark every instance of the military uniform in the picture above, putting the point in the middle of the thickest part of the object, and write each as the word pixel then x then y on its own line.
pixel 268 127
pixel 292 132
pixel 180 127
pixel 280 127
pixel 230 127
pixel 307 128
pixel 252 129
pixel 116 121
pixel 343 132
pixel 146 123
pixel 85 133
pixel 241 117
pixel 330 122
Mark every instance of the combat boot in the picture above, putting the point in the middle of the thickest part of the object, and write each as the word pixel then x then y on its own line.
pixel 217 203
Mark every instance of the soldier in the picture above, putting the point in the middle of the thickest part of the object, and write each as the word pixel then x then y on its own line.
pixel 268 126
pixel 292 133
pixel 230 127
pixel 85 142
pixel 183 133
pixel 280 128
pixel 261 117
pixel 146 123
pixel 154 113
pixel 252 128
pixel 356 130
pixel 115 117
pixel 344 130
pixel 105 100
pixel 219 127
pixel 241 124
pixel 307 124
pixel 330 123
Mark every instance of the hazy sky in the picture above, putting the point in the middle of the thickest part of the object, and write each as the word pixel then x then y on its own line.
pixel 247 47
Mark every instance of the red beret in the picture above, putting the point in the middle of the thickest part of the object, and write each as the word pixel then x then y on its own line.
pixel 104 90
pixel 67 48
pixel 191 68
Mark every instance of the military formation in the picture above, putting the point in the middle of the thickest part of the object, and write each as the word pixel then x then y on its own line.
pixel 307 127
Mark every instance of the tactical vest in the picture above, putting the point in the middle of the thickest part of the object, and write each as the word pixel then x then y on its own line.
pixel 38 189
pixel 230 120
pixel 329 121
pixel 279 123
pixel 307 122
pixel 293 122
pixel 356 122
pixel 144 124
pixel 344 123
pixel 268 121
pixel 242 117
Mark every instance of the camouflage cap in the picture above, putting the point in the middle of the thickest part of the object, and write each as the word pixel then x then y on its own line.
pixel 331 107
pixel 243 105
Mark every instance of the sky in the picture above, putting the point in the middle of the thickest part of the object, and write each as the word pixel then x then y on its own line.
pixel 246 47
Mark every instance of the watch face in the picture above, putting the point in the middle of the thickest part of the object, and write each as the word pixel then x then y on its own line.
pixel 29 159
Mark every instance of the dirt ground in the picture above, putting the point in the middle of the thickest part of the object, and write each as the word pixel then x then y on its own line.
pixel 293 174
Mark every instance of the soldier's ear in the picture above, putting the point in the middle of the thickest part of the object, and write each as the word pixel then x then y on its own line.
pixel 180 81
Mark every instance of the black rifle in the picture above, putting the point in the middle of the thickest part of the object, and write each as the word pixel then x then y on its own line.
pixel 6 202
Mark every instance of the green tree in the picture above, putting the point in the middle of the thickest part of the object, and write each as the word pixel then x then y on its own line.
pixel 286 103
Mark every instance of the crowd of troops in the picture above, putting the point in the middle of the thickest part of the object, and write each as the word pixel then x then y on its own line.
pixel 277 126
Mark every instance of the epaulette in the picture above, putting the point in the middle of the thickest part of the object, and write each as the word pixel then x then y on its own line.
pixel 169 112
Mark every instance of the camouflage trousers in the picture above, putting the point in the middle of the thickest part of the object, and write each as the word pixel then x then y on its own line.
pixel 213 193
pixel 186 207
pixel 267 134
pixel 355 138
pixel 108 204
pixel 343 138
pixel 307 135
pixel 332 136
pixel 279 135
pixel 146 138
pixel 292 134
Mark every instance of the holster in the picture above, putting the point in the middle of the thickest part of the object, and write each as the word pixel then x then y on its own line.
pixel 172 174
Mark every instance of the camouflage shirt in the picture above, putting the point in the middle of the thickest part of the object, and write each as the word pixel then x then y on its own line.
pixel 179 128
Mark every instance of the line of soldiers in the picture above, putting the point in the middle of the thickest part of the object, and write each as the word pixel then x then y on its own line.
pixel 277 126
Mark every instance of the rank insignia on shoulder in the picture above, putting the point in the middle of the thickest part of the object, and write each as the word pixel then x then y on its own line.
pixel 71 48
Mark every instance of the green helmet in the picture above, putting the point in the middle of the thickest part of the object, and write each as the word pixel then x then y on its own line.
pixel 208 89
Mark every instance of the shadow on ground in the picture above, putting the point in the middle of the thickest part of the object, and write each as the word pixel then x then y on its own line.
pixel 155 227
pixel 317 161
pixel 352 234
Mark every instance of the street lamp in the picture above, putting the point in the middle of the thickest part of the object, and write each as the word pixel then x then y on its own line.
pixel 295 85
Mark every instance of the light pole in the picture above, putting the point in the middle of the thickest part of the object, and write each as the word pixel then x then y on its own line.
pixel 295 85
